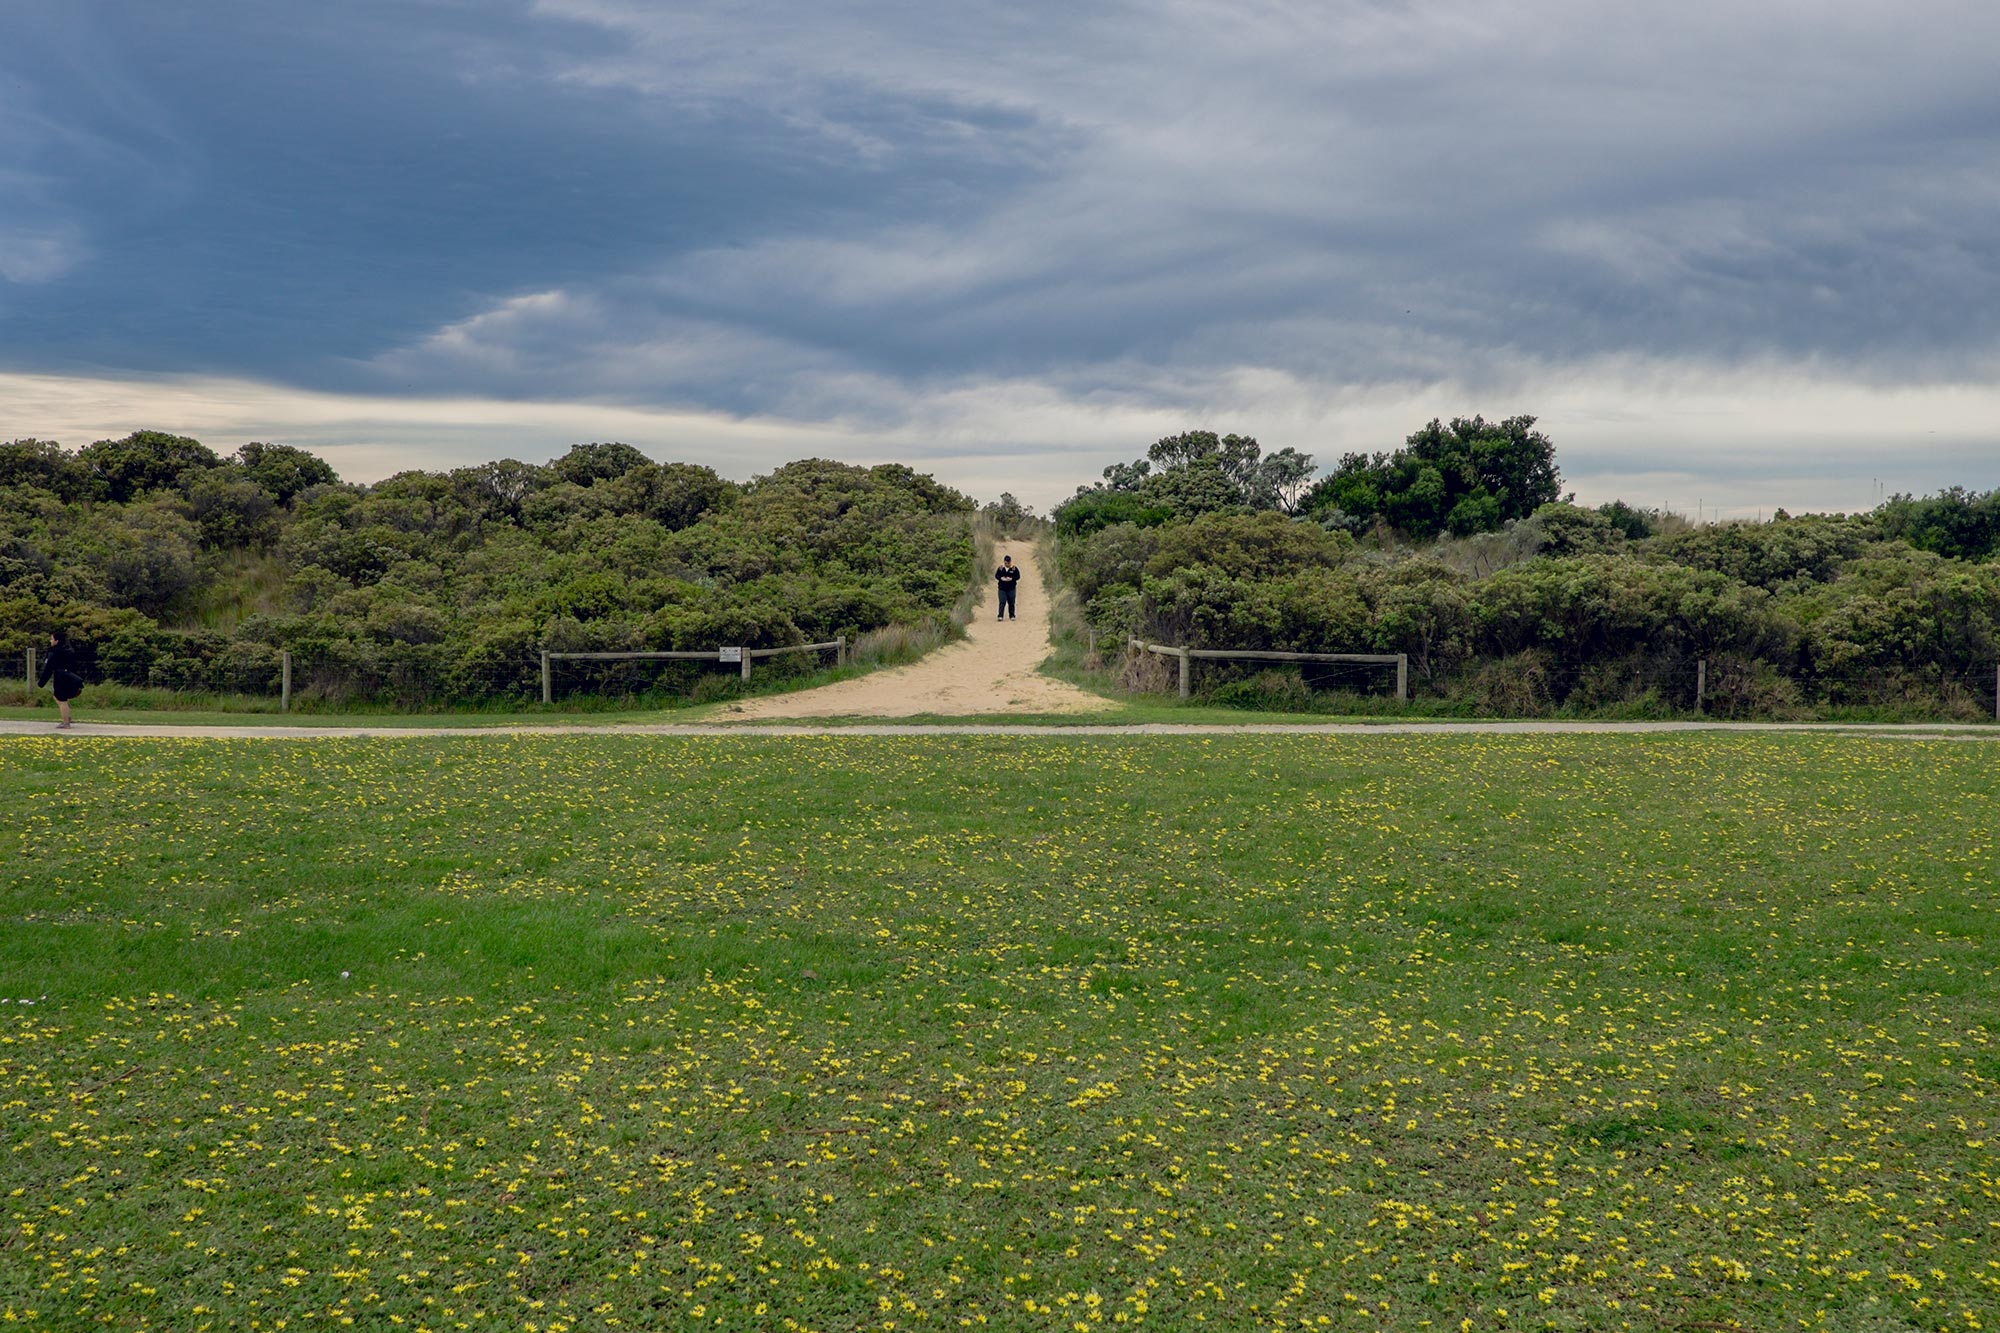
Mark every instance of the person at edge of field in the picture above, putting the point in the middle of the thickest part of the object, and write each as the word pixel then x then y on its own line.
pixel 1006 576
pixel 59 670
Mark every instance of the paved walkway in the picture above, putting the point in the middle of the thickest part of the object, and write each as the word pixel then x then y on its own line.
pixel 1959 731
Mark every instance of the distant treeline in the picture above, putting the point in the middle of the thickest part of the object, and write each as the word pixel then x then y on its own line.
pixel 1460 550
pixel 176 567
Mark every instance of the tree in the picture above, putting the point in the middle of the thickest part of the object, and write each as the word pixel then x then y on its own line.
pixel 1633 522
pixel 1956 522
pixel 284 471
pixel 587 464
pixel 232 511
pixel 496 489
pixel 673 495
pixel 1203 486
pixel 146 460
pixel 1008 512
pixel 1281 480
pixel 145 554
pixel 1236 456
pixel 1200 472
pixel 1509 460
pixel 1126 476
pixel 1095 508
pixel 1470 476
pixel 47 466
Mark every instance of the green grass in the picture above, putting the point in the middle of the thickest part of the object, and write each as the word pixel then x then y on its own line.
pixel 843 1032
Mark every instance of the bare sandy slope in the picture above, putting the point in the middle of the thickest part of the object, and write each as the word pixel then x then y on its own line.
pixel 992 670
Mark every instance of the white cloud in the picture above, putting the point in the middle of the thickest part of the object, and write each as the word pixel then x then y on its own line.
pixel 1735 442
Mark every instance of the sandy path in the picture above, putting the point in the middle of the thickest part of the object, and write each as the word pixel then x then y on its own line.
pixel 991 670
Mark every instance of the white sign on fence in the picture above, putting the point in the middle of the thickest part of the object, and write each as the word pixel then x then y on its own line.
pixel 729 654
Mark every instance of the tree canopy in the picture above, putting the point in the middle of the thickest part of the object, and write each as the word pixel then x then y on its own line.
pixel 184 569
pixel 1472 475
pixel 1194 472
pixel 1509 599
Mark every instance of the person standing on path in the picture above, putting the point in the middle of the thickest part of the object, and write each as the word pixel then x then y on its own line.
pixel 60 671
pixel 1006 576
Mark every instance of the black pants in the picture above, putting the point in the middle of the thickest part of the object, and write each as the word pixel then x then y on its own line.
pixel 1006 602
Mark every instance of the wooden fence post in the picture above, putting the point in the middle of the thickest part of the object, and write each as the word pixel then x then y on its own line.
pixel 840 650
pixel 285 684
pixel 28 689
pixel 1186 687
pixel 548 685
pixel 746 662
pixel 1402 678
pixel 1700 684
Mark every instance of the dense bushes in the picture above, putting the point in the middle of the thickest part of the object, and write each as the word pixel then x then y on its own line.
pixel 1957 523
pixel 1555 606
pixel 185 570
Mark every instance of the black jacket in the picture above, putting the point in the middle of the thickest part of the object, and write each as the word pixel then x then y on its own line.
pixel 60 668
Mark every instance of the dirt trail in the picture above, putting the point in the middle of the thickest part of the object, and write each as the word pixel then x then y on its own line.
pixel 991 670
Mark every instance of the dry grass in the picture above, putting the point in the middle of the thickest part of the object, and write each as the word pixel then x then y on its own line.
pixel 893 645
pixel 246 583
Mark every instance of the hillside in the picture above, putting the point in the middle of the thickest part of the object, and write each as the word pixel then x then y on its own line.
pixel 178 568
pixel 1509 600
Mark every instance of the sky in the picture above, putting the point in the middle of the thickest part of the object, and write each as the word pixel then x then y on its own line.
pixel 1732 257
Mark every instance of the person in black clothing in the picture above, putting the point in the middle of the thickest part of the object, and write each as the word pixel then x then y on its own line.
pixel 1006 576
pixel 60 671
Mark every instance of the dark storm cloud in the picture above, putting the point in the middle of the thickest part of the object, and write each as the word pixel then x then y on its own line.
pixel 1373 192
pixel 855 212
pixel 277 189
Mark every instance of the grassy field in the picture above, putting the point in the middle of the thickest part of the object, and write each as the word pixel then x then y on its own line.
pixel 1685 1032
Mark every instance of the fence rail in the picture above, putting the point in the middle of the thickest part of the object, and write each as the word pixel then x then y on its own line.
pixel 424 676
pixel 741 655
pixel 1691 678
pixel 415 677
pixel 1401 661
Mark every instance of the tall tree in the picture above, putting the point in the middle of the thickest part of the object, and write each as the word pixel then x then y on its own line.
pixel 1472 475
